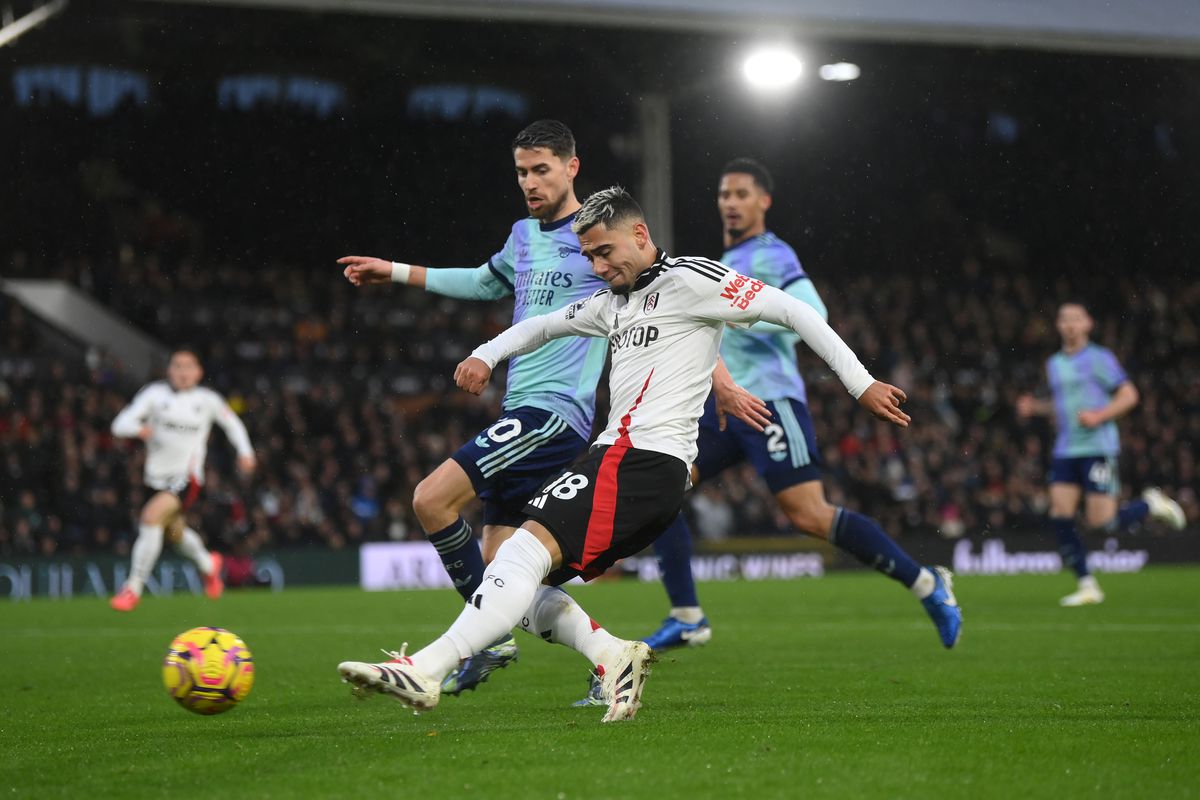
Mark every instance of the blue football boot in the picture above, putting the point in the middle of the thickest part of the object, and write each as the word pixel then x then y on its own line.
pixel 475 670
pixel 595 694
pixel 942 607
pixel 674 633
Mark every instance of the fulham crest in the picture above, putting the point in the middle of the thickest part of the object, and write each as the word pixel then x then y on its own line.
pixel 650 304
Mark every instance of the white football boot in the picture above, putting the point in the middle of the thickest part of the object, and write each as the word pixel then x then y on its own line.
pixel 622 680
pixel 398 678
pixel 1088 594
pixel 1164 509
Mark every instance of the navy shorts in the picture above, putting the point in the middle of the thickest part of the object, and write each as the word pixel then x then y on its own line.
pixel 1095 474
pixel 786 454
pixel 509 462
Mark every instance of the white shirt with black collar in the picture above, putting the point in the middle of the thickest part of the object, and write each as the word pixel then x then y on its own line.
pixel 181 422
pixel 664 336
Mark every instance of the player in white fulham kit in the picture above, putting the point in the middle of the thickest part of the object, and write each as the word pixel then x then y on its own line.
pixel 174 417
pixel 663 318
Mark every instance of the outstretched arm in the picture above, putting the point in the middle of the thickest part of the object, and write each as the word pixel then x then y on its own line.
pixel 744 300
pixel 804 290
pixel 372 271
pixel 579 319
pixel 235 431
pixel 465 283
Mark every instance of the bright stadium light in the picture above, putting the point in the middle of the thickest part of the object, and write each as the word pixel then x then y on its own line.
pixel 840 71
pixel 772 68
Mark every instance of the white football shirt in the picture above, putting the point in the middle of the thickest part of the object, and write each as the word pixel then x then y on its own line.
pixel 664 337
pixel 181 422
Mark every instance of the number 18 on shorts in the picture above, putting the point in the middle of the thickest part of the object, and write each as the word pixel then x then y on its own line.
pixel 613 503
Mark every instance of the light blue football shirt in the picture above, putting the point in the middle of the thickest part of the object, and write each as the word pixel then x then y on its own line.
pixel 1082 381
pixel 541 266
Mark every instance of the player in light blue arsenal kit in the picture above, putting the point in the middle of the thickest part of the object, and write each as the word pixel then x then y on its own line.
pixel 1090 391
pixel 762 359
pixel 549 403
pixel 550 400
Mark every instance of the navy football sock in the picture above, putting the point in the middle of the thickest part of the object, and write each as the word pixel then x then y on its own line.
pixel 1074 552
pixel 460 555
pixel 674 551
pixel 1131 514
pixel 862 538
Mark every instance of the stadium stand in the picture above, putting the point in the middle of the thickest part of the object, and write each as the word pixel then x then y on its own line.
pixel 347 419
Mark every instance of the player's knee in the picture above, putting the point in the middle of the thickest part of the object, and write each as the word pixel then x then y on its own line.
pixel 155 513
pixel 813 519
pixel 493 537
pixel 489 549
pixel 424 499
pixel 428 502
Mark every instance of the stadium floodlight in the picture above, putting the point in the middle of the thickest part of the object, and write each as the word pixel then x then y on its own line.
pixel 841 71
pixel 772 68
pixel 12 29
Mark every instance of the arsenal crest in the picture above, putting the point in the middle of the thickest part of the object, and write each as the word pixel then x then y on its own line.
pixel 650 303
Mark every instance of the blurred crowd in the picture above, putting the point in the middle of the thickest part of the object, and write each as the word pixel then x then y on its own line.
pixel 348 399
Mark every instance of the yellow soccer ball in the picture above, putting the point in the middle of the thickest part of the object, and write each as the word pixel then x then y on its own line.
pixel 208 670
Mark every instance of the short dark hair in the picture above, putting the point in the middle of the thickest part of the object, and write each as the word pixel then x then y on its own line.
pixel 1075 301
pixel 748 166
pixel 610 206
pixel 191 351
pixel 548 133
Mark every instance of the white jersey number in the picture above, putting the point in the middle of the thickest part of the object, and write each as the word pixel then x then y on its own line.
pixel 500 433
pixel 565 487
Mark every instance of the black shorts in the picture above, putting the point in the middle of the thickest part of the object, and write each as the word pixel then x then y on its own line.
pixel 187 489
pixel 612 503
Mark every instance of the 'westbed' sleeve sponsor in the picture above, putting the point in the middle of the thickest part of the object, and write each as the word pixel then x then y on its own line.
pixel 742 300
pixel 582 318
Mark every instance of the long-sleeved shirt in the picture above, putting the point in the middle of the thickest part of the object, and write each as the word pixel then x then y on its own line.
pixel 664 336
pixel 541 267
pixel 762 359
pixel 181 422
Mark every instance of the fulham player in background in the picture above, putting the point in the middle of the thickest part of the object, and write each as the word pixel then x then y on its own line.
pixel 174 417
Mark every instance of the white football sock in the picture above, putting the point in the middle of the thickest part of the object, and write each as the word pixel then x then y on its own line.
pixel 556 617
pixel 146 551
pixel 924 585
pixel 509 585
pixel 689 614
pixel 192 547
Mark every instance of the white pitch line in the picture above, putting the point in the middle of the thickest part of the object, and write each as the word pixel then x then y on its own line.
pixel 392 631
pixel 292 630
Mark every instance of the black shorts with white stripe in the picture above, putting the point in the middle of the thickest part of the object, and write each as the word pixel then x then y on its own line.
pixel 612 503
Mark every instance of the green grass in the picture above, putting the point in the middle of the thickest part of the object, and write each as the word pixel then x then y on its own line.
pixel 828 688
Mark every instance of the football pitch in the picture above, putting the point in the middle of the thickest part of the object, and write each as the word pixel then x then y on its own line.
pixel 815 688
